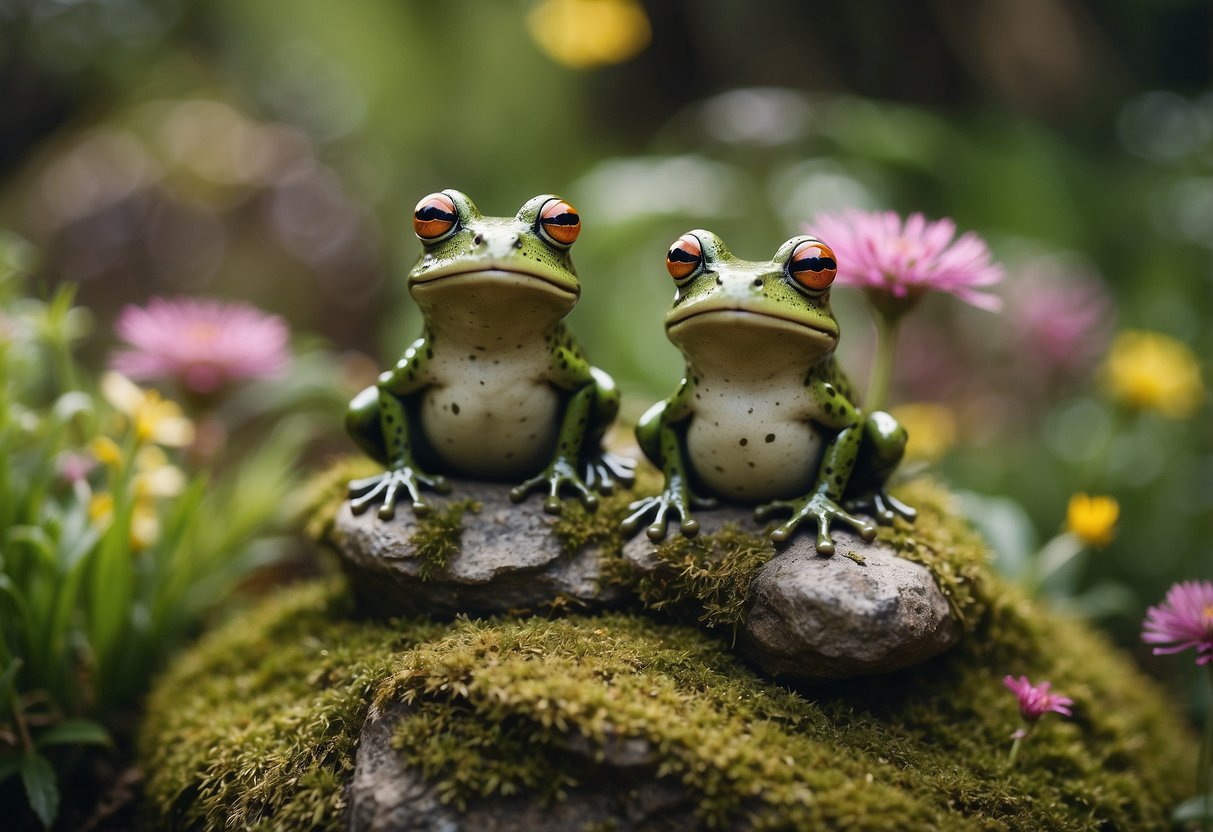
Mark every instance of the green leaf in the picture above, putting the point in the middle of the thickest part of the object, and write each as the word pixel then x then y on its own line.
pixel 40 787
pixel 9 765
pixel 1194 810
pixel 7 691
pixel 75 732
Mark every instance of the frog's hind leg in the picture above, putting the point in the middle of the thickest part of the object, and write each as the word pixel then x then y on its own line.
pixel 604 470
pixel 883 446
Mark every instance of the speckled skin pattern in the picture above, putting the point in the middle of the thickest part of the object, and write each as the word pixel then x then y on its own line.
pixel 764 415
pixel 496 388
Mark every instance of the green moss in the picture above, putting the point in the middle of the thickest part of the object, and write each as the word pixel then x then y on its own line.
pixel 925 749
pixel 709 575
pixel 256 726
pixel 319 501
pixel 945 544
pixel 439 533
pixel 577 528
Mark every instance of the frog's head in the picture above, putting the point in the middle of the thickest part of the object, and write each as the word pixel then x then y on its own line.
pixel 724 302
pixel 519 264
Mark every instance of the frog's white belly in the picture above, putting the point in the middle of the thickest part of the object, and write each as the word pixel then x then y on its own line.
pixel 491 416
pixel 751 445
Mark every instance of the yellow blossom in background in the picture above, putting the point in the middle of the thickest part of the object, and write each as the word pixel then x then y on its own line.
pixel 931 429
pixel 106 451
pixel 155 478
pixel 1092 519
pixel 584 34
pixel 155 419
pixel 1150 371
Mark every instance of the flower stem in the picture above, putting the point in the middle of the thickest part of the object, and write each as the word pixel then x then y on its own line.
pixel 882 367
pixel 1204 765
pixel 1017 739
pixel 1014 751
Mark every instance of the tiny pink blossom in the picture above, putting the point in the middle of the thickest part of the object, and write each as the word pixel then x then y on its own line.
pixel 878 252
pixel 201 343
pixel 1036 700
pixel 74 467
pixel 1184 619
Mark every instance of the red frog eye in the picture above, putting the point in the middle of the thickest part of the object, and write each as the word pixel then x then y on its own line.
pixel 434 216
pixel 813 265
pixel 684 256
pixel 560 222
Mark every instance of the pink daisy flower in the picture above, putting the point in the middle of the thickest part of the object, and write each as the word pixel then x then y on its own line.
pixel 878 252
pixel 1184 619
pixel 203 344
pixel 1037 700
pixel 1061 315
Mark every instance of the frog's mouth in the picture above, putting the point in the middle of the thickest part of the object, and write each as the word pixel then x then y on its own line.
pixel 726 319
pixel 496 277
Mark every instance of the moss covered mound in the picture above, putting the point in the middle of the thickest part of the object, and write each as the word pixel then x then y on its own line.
pixel 257 726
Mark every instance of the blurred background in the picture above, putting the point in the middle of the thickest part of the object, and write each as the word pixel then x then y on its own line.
pixel 272 153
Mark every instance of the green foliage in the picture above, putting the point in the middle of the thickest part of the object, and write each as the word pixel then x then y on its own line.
pixel 110 552
pixel 256 727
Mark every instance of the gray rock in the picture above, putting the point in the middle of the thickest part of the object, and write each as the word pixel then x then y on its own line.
pixel 622 793
pixel 865 610
pixel 509 559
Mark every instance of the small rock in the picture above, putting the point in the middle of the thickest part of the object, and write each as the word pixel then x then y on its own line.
pixel 623 793
pixel 508 558
pixel 813 618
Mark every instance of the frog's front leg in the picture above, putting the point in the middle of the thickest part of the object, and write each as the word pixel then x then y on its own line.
pixel 660 436
pixel 884 444
pixel 379 423
pixel 822 505
pixel 569 371
pixel 604 471
pixel 562 472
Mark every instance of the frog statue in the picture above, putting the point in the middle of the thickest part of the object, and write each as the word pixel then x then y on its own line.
pixel 765 415
pixel 495 388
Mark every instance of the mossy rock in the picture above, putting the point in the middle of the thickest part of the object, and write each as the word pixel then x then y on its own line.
pixel 257 726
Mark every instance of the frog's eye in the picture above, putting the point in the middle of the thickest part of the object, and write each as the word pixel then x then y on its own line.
pixel 434 217
pixel 684 256
pixel 813 265
pixel 560 222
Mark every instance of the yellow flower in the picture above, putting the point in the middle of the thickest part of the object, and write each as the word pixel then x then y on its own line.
pixel 155 419
pixel 931 429
pixel 106 451
pixel 1150 371
pixel 583 34
pixel 155 479
pixel 101 508
pixel 1092 519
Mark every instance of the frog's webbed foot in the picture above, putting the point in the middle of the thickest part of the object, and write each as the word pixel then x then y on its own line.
pixel 386 489
pixel 606 471
pixel 672 500
pixel 885 508
pixel 818 508
pixel 560 475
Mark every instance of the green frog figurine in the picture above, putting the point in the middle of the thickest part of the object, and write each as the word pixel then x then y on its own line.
pixel 764 415
pixel 495 388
